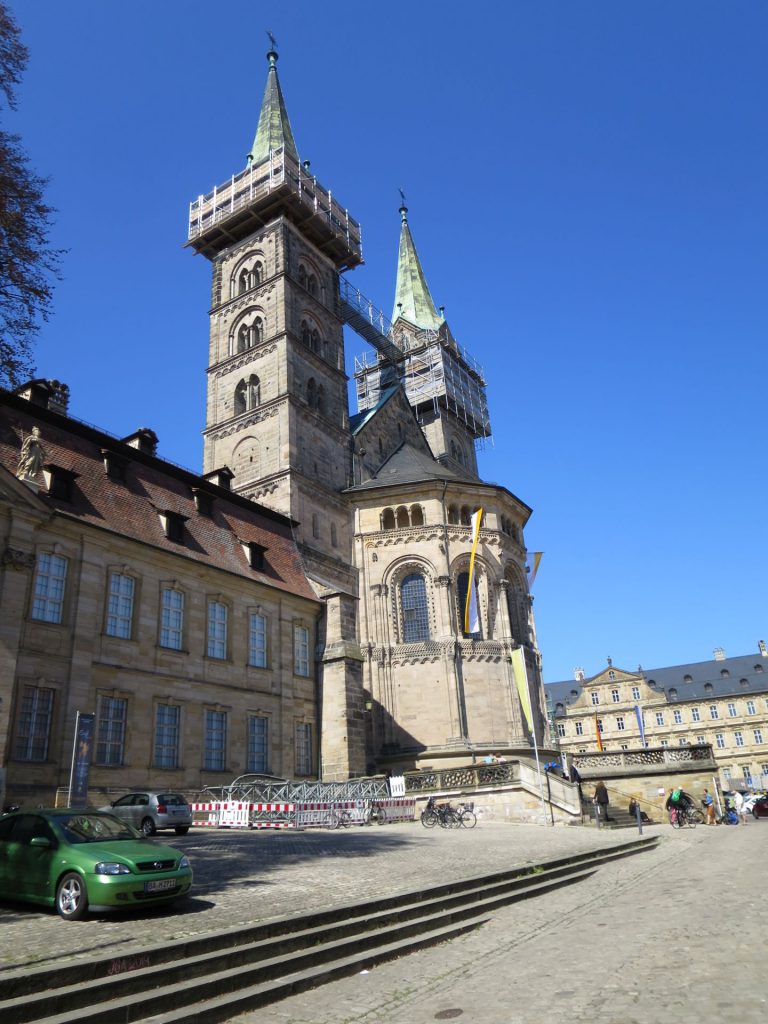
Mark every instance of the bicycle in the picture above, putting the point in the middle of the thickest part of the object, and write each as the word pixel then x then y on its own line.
pixel 679 817
pixel 439 814
pixel 375 812
pixel 338 818
pixel 466 815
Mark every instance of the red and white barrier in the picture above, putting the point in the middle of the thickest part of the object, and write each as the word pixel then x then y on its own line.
pixel 241 814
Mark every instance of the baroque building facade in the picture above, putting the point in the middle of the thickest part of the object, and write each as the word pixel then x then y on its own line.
pixel 722 702
pixel 175 611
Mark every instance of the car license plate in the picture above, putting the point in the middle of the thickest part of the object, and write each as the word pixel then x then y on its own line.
pixel 160 885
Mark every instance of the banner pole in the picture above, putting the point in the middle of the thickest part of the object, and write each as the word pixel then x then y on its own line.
pixel 74 751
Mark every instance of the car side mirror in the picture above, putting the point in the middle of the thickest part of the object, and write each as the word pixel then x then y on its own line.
pixel 40 841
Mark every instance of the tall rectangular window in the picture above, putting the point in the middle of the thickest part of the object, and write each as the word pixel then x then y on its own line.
pixel 301 650
pixel 758 734
pixel 739 737
pixel 257 641
pixel 701 739
pixel 303 749
pixel 171 619
pixel 750 707
pixel 215 757
pixel 620 724
pixel 678 716
pixel 635 693
pixel 720 740
pixel 561 730
pixel 120 607
pixel 731 709
pixel 257 744
pixel 659 718
pixel 110 744
pixel 217 629
pixel 713 712
pixel 167 717
pixel 695 715
pixel 50 580
pixel 34 724
pixel 579 728
pixel 746 771
pixel 727 774
pixel 595 697
pixel 615 696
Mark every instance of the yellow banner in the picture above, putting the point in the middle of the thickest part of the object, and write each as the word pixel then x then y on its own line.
pixel 521 682
pixel 471 613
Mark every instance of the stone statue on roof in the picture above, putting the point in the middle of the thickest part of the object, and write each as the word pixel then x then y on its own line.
pixel 31 456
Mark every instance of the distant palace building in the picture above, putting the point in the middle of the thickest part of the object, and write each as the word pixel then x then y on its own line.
pixel 723 702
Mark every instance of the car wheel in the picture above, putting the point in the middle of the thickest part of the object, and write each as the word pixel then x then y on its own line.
pixel 71 897
pixel 181 830
pixel 148 827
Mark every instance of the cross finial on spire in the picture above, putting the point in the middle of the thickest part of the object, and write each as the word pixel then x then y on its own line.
pixel 403 208
pixel 272 55
pixel 272 41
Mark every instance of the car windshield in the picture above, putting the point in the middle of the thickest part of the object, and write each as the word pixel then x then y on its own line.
pixel 84 827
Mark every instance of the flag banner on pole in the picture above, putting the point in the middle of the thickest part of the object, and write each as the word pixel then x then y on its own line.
pixel 521 682
pixel 471 612
pixel 639 716
pixel 532 565
pixel 597 734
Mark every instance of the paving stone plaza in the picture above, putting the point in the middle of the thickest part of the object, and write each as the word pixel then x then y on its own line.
pixel 680 928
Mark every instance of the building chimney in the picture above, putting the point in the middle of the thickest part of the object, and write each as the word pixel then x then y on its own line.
pixel 221 477
pixel 719 654
pixel 762 648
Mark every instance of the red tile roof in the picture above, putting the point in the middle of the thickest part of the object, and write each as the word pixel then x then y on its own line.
pixel 130 508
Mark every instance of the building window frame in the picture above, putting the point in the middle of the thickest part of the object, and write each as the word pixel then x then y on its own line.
pixel 172 601
pixel 215 740
pixel 111 727
pixel 121 599
pixel 217 629
pixel 301 659
pixel 49 588
pixel 33 723
pixel 167 735
pixel 257 753
pixel 258 637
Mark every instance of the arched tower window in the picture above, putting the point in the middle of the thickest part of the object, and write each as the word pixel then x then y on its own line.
pixel 314 341
pixel 312 285
pixel 388 519
pixel 453 514
pixel 413 601
pixel 465 516
pixel 320 400
pixel 517 608
pixel 463 587
pixel 247 394
pixel 306 334
pixel 417 515
pixel 311 393
pixel 243 283
pixel 402 518
pixel 302 276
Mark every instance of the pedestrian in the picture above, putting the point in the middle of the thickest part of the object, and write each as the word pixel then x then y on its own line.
pixel 738 801
pixel 601 801
pixel 575 776
pixel 709 807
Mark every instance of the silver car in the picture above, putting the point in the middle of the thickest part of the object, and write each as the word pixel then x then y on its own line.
pixel 152 811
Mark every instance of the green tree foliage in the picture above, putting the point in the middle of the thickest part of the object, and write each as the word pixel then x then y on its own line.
pixel 28 265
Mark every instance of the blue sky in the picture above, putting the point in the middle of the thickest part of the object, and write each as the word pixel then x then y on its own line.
pixel 587 191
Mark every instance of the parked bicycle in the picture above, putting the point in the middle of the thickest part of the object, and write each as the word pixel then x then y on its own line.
pixel 466 815
pixel 375 812
pixel 447 816
pixel 338 817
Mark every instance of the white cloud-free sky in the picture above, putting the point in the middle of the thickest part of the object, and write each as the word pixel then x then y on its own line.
pixel 586 184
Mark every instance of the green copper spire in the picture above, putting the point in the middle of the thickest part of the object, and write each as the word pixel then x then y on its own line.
pixel 274 129
pixel 412 298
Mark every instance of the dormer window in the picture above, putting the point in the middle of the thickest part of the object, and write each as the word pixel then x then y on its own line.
pixel 220 477
pixel 254 553
pixel 203 502
pixel 116 466
pixel 60 481
pixel 173 525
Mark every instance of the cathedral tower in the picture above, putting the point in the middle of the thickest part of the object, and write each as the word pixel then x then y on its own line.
pixel 277 419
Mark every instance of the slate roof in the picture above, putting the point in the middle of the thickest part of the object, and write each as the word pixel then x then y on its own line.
pixel 359 420
pixel 705 680
pixel 408 465
pixel 152 485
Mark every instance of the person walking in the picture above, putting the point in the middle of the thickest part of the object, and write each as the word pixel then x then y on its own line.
pixel 601 802
pixel 738 801
pixel 709 807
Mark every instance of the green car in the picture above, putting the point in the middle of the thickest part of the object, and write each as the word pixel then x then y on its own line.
pixel 80 860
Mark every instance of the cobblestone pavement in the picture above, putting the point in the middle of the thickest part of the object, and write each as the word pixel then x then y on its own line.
pixel 241 877
pixel 678 932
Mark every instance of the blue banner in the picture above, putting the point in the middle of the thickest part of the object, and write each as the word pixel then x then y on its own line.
pixel 81 760
pixel 639 714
